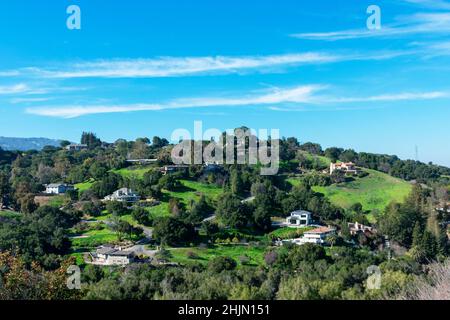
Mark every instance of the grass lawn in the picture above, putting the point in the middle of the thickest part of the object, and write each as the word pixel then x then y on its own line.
pixel 193 191
pixel 289 233
pixel 136 172
pixel 375 191
pixel 85 185
pixel 324 161
pixel 255 255
pixel 94 238
pixel 57 201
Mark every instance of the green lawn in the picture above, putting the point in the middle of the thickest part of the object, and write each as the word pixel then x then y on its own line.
pixel 193 192
pixel 375 191
pixel 85 185
pixel 324 161
pixel 136 172
pixel 255 255
pixel 94 239
pixel 289 233
pixel 57 201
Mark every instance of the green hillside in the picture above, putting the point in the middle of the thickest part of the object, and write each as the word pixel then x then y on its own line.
pixel 375 191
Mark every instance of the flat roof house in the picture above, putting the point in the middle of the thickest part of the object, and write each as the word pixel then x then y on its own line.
pixel 357 228
pixel 315 236
pixel 76 147
pixel 173 168
pixel 109 256
pixel 58 188
pixel 346 167
pixel 300 218
pixel 123 195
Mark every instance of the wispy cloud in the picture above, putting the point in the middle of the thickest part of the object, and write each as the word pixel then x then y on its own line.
pixel 190 66
pixel 20 88
pixel 434 4
pixel 274 99
pixel 419 23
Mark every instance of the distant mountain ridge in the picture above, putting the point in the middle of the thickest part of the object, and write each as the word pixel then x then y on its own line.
pixel 25 144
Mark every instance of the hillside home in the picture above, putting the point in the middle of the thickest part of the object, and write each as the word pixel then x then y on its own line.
pixel 109 256
pixel 76 147
pixel 357 228
pixel 346 167
pixel 142 161
pixel 299 218
pixel 58 188
pixel 316 236
pixel 173 168
pixel 123 195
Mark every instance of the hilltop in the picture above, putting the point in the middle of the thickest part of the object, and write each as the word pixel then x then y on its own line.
pixel 25 144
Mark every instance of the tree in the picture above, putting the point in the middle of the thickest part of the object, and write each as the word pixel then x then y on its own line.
pixel 93 209
pixel 237 186
pixel 4 189
pixel 27 204
pixel 91 140
pixel 220 264
pixel 231 212
pixel 141 216
pixel 172 231
pixel 117 208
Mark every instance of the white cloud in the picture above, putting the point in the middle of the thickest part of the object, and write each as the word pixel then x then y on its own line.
pixel 419 23
pixel 15 89
pixel 273 99
pixel 189 66
pixel 435 4
pixel 180 66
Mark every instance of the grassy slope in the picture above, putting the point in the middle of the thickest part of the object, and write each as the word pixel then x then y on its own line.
pixel 254 254
pixel 375 191
pixel 323 160
pixel 136 172
pixel 85 185
pixel 192 192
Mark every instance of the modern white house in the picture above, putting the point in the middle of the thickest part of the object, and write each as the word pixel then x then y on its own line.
pixel 316 236
pixel 58 188
pixel 357 228
pixel 346 167
pixel 173 168
pixel 109 256
pixel 76 147
pixel 300 218
pixel 123 195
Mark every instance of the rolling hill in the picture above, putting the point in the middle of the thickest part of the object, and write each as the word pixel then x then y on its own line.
pixel 25 144
pixel 374 191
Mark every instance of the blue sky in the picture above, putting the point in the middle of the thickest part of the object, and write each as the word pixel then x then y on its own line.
pixel 309 68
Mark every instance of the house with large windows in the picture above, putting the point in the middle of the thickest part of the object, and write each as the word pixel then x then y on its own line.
pixel 123 195
pixel 300 218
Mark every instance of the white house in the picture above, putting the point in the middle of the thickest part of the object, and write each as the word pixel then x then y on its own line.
pixel 109 256
pixel 300 218
pixel 174 168
pixel 123 195
pixel 76 147
pixel 58 188
pixel 346 167
pixel 316 236
pixel 357 228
